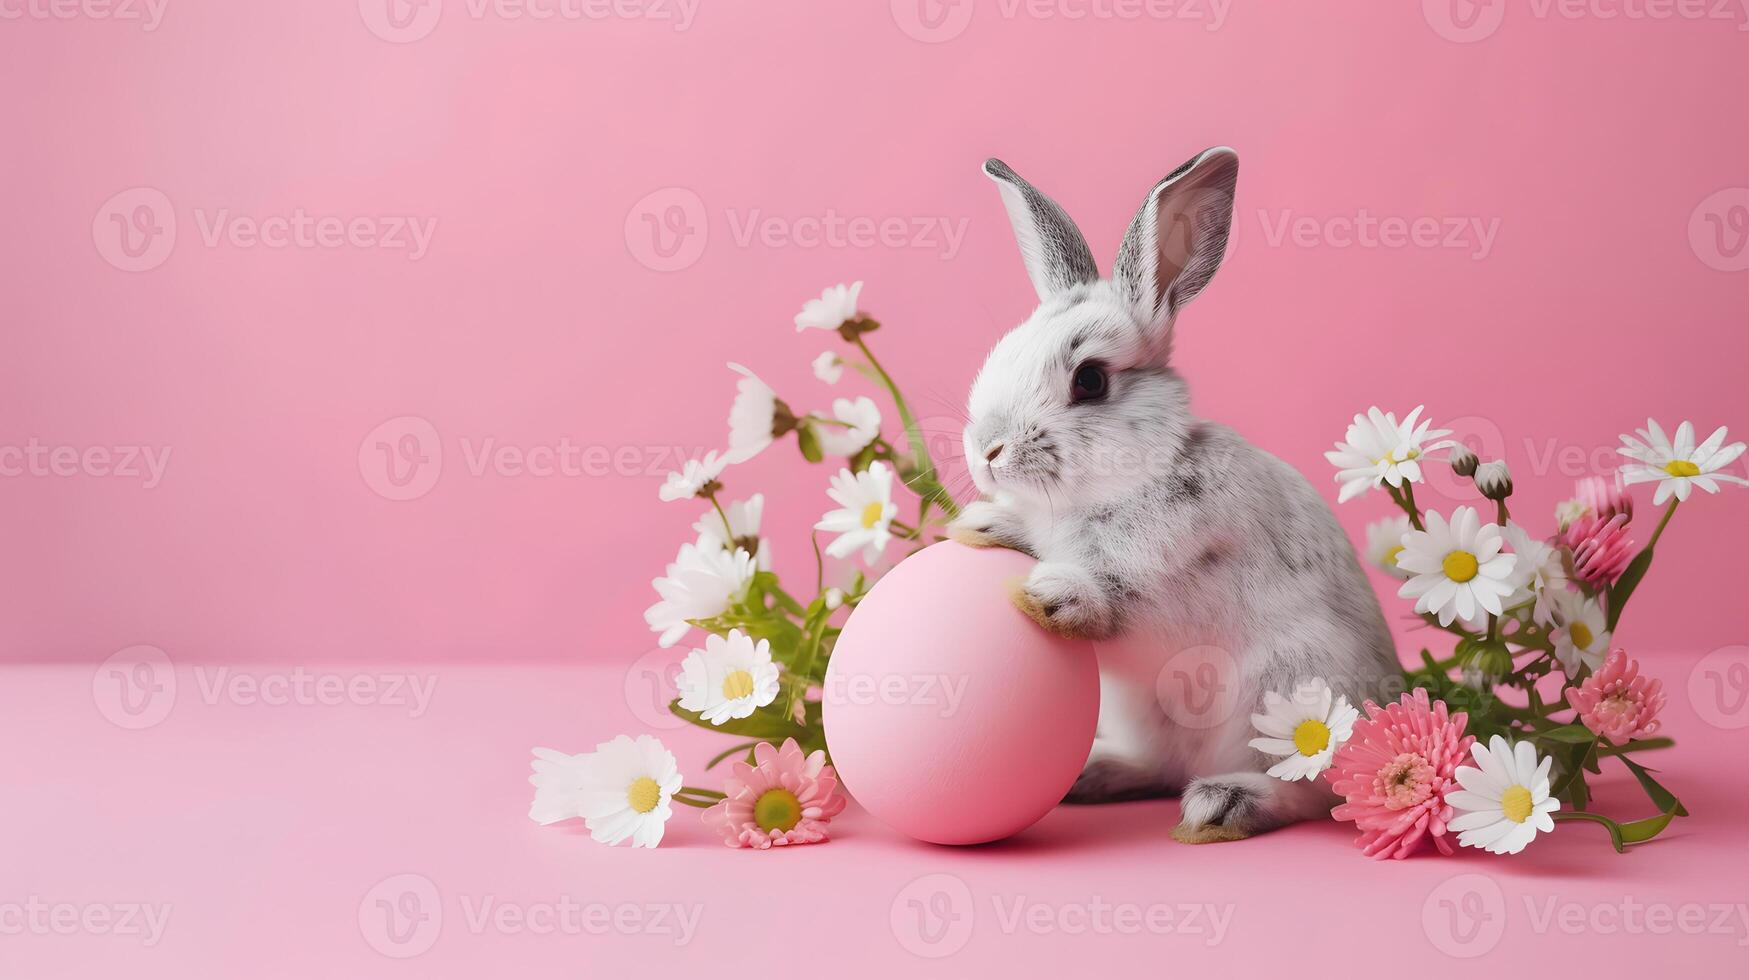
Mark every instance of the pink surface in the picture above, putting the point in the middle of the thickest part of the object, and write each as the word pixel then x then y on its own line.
pixel 1587 168
pixel 272 832
pixel 937 663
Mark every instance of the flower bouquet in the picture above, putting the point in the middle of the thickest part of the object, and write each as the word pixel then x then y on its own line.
pixel 1494 743
pixel 757 675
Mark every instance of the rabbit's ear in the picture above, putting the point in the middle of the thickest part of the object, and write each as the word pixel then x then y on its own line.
pixel 1056 255
pixel 1178 238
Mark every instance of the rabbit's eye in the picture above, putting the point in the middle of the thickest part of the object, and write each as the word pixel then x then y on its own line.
pixel 1089 382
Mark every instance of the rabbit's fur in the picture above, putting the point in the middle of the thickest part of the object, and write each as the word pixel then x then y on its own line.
pixel 1168 538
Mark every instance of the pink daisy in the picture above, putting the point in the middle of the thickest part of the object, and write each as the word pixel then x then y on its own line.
pixel 1395 771
pixel 784 798
pixel 1616 702
pixel 1601 548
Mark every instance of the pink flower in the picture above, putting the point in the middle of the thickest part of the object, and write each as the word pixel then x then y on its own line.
pixel 1394 772
pixel 1616 702
pixel 785 798
pixel 1603 497
pixel 1601 548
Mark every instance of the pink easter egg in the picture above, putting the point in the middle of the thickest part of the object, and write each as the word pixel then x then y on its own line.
pixel 951 716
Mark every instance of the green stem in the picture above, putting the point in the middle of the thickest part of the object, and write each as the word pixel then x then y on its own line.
pixel 695 796
pixel 1668 513
pixel 927 486
pixel 813 633
pixel 1409 504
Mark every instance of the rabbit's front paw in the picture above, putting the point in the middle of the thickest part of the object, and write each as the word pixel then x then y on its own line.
pixel 983 524
pixel 1067 600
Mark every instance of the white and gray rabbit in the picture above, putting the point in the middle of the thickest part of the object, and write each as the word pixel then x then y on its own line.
pixel 1168 538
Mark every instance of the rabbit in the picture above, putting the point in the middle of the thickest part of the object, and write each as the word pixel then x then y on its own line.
pixel 1157 533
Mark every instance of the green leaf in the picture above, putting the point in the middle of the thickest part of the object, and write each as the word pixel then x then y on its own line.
pixel 1614 829
pixel 809 443
pixel 1625 586
pixel 760 725
pixel 1567 735
pixel 1661 798
pixel 1639 831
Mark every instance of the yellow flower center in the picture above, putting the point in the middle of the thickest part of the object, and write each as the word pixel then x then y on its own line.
pixel 1311 737
pixel 777 809
pixel 1391 556
pixel 1390 458
pixel 1581 635
pixel 1681 467
pixel 1516 804
pixel 738 684
pixel 1460 566
pixel 871 515
pixel 643 794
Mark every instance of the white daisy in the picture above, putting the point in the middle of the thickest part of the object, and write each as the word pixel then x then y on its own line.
pixel 865 512
pixel 1304 730
pixel 1457 568
pixel 756 418
pixel 829 367
pixel 1506 802
pixel 1378 450
pixel 741 531
pixel 862 423
pixel 1538 574
pixel 557 779
pixel 627 786
pixel 836 305
pixel 1678 465
pixel 1384 542
pixel 729 678
pixel 1581 634
pixel 693 477
pixel 701 583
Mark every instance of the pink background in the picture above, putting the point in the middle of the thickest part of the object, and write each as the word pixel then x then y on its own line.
pixel 529 320
pixel 1604 150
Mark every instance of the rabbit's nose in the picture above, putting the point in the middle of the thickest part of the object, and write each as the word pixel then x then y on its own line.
pixel 993 452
